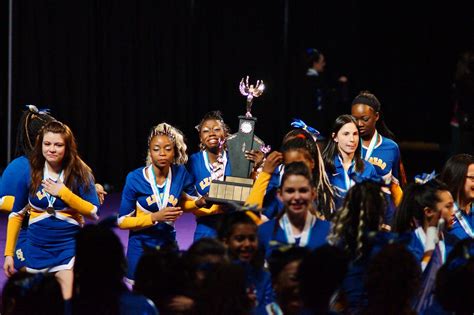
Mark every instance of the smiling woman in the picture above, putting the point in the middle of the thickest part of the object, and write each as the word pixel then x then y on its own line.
pixel 297 224
pixel 209 164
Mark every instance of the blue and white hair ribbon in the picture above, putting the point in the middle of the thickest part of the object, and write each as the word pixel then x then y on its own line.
pixel 360 178
pixel 424 178
pixel 298 123
pixel 35 109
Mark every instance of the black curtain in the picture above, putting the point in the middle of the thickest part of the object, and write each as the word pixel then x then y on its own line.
pixel 112 69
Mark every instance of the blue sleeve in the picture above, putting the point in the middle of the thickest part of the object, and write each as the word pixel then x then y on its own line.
pixel 188 184
pixel 129 197
pixel 271 204
pixel 15 182
pixel 22 192
pixel 190 169
pixel 269 294
pixel 90 194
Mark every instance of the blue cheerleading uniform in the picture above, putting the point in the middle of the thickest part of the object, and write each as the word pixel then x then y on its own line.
pixel 50 242
pixel 385 157
pixel 340 181
pixel 463 225
pixel 139 201
pixel 416 245
pixel 272 206
pixel 260 281
pixel 199 168
pixel 14 189
pixel 353 284
pixel 131 303
pixel 273 231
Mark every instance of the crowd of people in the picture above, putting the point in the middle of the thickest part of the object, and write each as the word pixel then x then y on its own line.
pixel 332 230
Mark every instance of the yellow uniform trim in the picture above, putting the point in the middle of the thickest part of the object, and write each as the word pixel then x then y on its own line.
pixel 397 194
pixel 257 193
pixel 77 203
pixel 6 203
pixel 13 229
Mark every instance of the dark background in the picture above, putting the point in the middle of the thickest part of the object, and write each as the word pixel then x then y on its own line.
pixel 111 69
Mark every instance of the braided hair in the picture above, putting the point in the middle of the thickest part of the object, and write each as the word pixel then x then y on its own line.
pixel 300 140
pixel 362 212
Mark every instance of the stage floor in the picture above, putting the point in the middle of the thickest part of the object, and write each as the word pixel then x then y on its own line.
pixel 185 227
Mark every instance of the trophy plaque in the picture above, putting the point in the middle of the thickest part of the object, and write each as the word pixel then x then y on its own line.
pixel 236 188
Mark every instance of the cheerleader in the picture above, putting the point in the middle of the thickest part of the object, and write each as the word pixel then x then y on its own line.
pixel 211 163
pixel 152 194
pixel 458 174
pixel 425 204
pixel 359 231
pixel 377 145
pixel 61 192
pixel 239 233
pixel 14 182
pixel 297 224
pixel 342 157
pixel 299 145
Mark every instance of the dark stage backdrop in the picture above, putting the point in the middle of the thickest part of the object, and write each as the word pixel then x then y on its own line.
pixel 111 69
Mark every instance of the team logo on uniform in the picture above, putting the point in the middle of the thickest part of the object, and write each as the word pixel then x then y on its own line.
pixel 19 255
pixel 40 194
pixel 172 200
pixel 378 162
pixel 205 183
pixel 150 200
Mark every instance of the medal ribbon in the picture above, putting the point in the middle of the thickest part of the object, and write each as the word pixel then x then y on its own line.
pixel 286 225
pixel 372 144
pixel 161 201
pixel 211 169
pixel 462 220
pixel 51 199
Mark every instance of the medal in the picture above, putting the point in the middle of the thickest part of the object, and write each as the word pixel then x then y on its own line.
pixel 51 199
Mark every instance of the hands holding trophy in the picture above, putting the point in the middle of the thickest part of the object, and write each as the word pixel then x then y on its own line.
pixel 236 188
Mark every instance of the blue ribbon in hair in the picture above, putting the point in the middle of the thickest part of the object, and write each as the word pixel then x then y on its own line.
pixel 424 178
pixel 361 178
pixel 298 123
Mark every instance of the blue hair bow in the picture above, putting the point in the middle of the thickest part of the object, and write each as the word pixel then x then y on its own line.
pixel 298 123
pixel 360 178
pixel 424 178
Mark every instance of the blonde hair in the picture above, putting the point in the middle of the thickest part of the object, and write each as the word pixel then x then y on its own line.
pixel 176 136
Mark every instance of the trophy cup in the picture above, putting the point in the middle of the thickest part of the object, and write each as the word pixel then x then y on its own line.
pixel 236 188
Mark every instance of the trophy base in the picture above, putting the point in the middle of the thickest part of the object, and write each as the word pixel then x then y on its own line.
pixel 232 190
